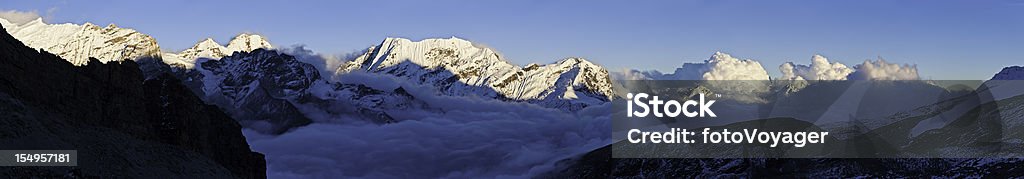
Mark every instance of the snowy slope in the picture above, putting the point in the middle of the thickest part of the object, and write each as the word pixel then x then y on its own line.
pixel 460 68
pixel 266 86
pixel 247 42
pixel 77 43
pixel 258 86
pixel 277 92
pixel 208 48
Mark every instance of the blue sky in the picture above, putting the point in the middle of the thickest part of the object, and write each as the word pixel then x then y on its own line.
pixel 946 39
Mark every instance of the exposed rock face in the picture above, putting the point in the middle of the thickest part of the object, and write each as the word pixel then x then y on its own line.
pixel 185 120
pixel 247 43
pixel 458 67
pixel 272 92
pixel 208 48
pixel 120 125
pixel 77 43
pixel 260 86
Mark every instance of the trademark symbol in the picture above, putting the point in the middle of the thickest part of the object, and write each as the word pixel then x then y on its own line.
pixel 718 95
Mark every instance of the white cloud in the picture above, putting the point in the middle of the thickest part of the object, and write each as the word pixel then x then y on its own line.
pixel 751 78
pixel 19 17
pixel 789 71
pixel 819 69
pixel 720 66
pixel 723 66
pixel 467 137
pixel 327 64
pixel 632 74
pixel 882 70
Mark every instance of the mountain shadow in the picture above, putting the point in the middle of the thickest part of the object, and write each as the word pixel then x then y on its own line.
pixel 270 87
pixel 121 125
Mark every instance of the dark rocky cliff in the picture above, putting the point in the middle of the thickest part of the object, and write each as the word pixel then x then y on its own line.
pixel 121 125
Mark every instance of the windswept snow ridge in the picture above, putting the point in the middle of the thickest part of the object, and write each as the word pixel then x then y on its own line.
pixel 460 68
pixel 77 43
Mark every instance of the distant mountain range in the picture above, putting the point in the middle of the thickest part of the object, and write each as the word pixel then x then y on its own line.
pixel 273 92
pixel 459 68
pixel 77 43
pixel 265 85
pixel 121 124
pixel 208 48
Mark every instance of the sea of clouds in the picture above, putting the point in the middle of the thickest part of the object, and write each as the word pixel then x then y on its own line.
pixel 470 137
pixel 459 137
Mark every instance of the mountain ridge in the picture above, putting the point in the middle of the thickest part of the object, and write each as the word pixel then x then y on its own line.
pixel 209 48
pixel 480 70
pixel 115 118
pixel 77 43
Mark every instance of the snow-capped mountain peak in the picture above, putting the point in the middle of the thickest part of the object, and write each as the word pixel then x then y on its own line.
pixel 206 48
pixel 248 42
pixel 430 53
pixel 460 67
pixel 209 48
pixel 77 43
pixel 206 42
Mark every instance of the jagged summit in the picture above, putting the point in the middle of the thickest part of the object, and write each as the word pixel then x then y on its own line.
pixel 456 66
pixel 430 53
pixel 110 111
pixel 209 48
pixel 256 85
pixel 246 42
pixel 207 42
pixel 77 43
pixel 461 68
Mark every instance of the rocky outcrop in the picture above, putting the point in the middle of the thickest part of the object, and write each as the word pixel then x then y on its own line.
pixel 185 120
pixel 121 125
pixel 255 87
pixel 458 67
